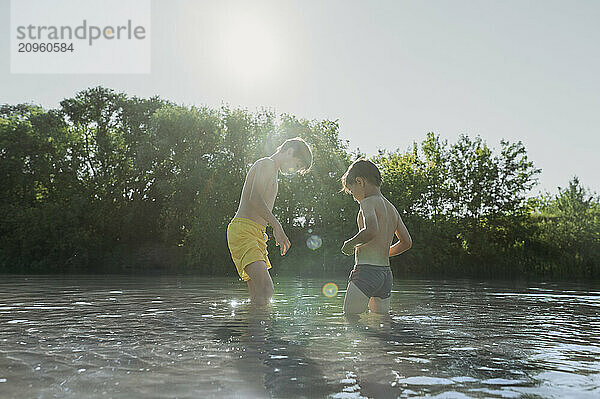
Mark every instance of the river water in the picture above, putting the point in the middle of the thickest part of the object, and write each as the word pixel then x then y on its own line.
pixel 198 337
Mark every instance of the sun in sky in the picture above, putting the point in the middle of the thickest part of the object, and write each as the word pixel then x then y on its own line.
pixel 250 49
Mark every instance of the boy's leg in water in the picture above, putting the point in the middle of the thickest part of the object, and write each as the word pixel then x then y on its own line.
pixel 262 285
pixel 378 305
pixel 252 289
pixel 355 301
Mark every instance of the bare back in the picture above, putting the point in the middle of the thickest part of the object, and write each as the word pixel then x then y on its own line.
pixel 376 251
pixel 262 178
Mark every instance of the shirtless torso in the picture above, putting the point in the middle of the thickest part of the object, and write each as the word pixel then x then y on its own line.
pixel 261 180
pixel 376 251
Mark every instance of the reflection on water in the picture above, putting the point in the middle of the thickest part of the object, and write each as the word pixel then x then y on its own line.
pixel 82 336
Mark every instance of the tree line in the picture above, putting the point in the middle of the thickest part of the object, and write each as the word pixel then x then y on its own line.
pixel 114 183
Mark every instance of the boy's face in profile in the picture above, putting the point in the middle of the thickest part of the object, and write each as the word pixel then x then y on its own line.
pixel 357 189
pixel 291 165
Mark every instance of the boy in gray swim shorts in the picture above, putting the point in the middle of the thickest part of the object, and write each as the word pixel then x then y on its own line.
pixel 370 282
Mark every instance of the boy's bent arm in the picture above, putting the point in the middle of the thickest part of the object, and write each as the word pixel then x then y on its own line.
pixel 371 228
pixel 404 241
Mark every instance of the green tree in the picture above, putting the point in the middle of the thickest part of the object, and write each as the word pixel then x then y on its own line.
pixel 110 182
pixel 567 239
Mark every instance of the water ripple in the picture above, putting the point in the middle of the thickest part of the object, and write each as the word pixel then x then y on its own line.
pixel 95 336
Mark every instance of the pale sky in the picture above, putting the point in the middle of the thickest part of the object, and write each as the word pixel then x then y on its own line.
pixel 390 71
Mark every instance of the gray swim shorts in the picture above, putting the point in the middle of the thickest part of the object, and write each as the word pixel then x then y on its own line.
pixel 373 281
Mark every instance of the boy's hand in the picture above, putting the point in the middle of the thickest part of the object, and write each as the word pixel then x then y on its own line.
pixel 348 248
pixel 281 239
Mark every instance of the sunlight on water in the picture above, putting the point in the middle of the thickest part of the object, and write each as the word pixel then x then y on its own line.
pixel 139 337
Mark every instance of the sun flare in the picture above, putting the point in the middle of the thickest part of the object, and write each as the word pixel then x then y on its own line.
pixel 250 48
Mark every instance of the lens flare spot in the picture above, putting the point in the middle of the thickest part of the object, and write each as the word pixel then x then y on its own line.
pixel 330 290
pixel 314 242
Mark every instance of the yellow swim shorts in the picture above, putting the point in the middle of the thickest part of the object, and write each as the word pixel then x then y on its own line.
pixel 247 242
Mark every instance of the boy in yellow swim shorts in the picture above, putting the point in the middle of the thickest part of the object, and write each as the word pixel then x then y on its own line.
pixel 246 235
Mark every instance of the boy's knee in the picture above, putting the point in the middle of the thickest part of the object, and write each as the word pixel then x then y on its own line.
pixel 265 289
pixel 261 282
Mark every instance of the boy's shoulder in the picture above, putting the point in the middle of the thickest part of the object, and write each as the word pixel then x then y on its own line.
pixel 264 163
pixel 391 205
pixel 369 201
pixel 375 201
